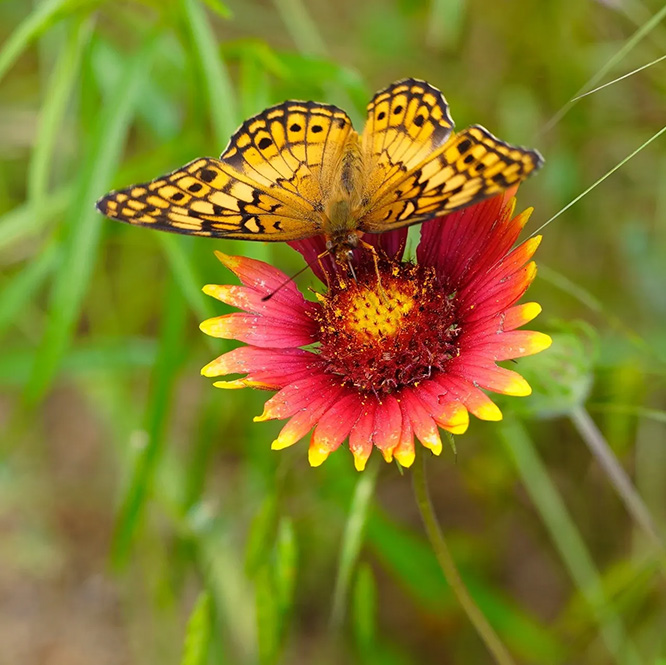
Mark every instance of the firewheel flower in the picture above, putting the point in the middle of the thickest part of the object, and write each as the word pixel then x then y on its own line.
pixel 394 351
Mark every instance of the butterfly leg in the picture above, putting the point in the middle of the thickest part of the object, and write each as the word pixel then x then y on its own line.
pixel 375 259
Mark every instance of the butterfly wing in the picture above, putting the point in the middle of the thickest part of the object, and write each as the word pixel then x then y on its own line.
pixel 420 168
pixel 269 184
pixel 406 122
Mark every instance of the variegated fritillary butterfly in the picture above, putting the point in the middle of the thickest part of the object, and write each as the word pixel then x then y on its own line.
pixel 299 169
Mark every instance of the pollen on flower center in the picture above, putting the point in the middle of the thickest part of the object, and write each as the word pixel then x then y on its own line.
pixel 379 314
pixel 382 335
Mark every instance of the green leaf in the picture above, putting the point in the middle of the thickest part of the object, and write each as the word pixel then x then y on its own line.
pixel 198 632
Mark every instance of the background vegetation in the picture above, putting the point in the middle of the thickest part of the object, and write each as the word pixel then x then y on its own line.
pixel 133 495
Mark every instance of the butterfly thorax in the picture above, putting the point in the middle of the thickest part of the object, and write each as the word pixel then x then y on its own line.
pixel 344 199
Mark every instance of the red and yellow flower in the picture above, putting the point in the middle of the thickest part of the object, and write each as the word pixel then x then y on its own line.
pixel 394 352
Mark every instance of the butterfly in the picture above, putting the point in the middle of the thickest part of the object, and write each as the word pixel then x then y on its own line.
pixel 299 169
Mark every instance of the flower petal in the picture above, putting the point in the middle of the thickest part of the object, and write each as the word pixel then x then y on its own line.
pixel 258 330
pixel 284 305
pixel 404 452
pixel 509 345
pixel 388 426
pixel 297 396
pixel 334 427
pixel 474 399
pixel 315 254
pixel 491 377
pixel 270 368
pixel 306 418
pixel 360 437
pixel 423 424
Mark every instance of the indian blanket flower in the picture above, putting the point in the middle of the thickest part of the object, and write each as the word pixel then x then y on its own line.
pixel 393 352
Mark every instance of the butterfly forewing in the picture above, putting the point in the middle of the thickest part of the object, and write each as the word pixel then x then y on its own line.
pixel 406 122
pixel 269 184
pixel 469 167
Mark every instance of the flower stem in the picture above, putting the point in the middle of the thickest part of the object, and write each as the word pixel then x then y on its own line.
pixel 448 566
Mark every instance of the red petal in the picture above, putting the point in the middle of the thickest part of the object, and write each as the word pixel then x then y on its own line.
pixel 424 426
pixel 474 399
pixel 304 420
pixel 335 425
pixel 404 451
pixel 508 345
pixel 388 426
pixel 270 367
pixel 285 304
pixel 361 435
pixel 258 330
pixel 297 396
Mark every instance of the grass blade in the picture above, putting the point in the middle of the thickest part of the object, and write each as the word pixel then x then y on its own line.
pixel 33 25
pixel 80 246
pixel 58 96
pixel 219 91
pixel 197 635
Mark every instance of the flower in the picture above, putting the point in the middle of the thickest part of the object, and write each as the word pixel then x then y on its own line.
pixel 393 352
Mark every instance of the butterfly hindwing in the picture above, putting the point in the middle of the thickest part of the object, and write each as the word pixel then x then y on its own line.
pixel 471 166
pixel 406 122
pixel 269 183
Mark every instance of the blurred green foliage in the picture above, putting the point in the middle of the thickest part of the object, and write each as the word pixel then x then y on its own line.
pixel 134 496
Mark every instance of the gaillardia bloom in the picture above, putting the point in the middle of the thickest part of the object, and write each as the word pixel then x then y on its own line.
pixel 395 351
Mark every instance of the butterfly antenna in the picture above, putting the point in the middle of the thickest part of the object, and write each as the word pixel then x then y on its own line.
pixel 267 297
pixel 287 281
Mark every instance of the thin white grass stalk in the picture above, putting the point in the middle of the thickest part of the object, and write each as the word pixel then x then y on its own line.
pixel 619 78
pixel 644 30
pixel 567 540
pixel 599 181
pixel 599 447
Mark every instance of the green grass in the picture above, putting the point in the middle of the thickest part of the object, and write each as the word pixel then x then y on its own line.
pixel 145 517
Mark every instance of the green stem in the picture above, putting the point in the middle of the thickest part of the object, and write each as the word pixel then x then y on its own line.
pixel 448 566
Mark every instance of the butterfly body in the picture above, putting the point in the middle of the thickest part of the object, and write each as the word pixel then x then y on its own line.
pixel 299 169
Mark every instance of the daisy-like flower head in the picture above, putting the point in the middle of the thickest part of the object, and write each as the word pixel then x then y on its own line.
pixel 394 352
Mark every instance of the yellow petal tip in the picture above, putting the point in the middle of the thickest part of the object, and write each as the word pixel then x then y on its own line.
pixel 405 458
pixel 489 411
pixel 317 455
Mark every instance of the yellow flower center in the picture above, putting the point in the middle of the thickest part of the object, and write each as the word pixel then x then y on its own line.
pixel 378 314
pixel 380 335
